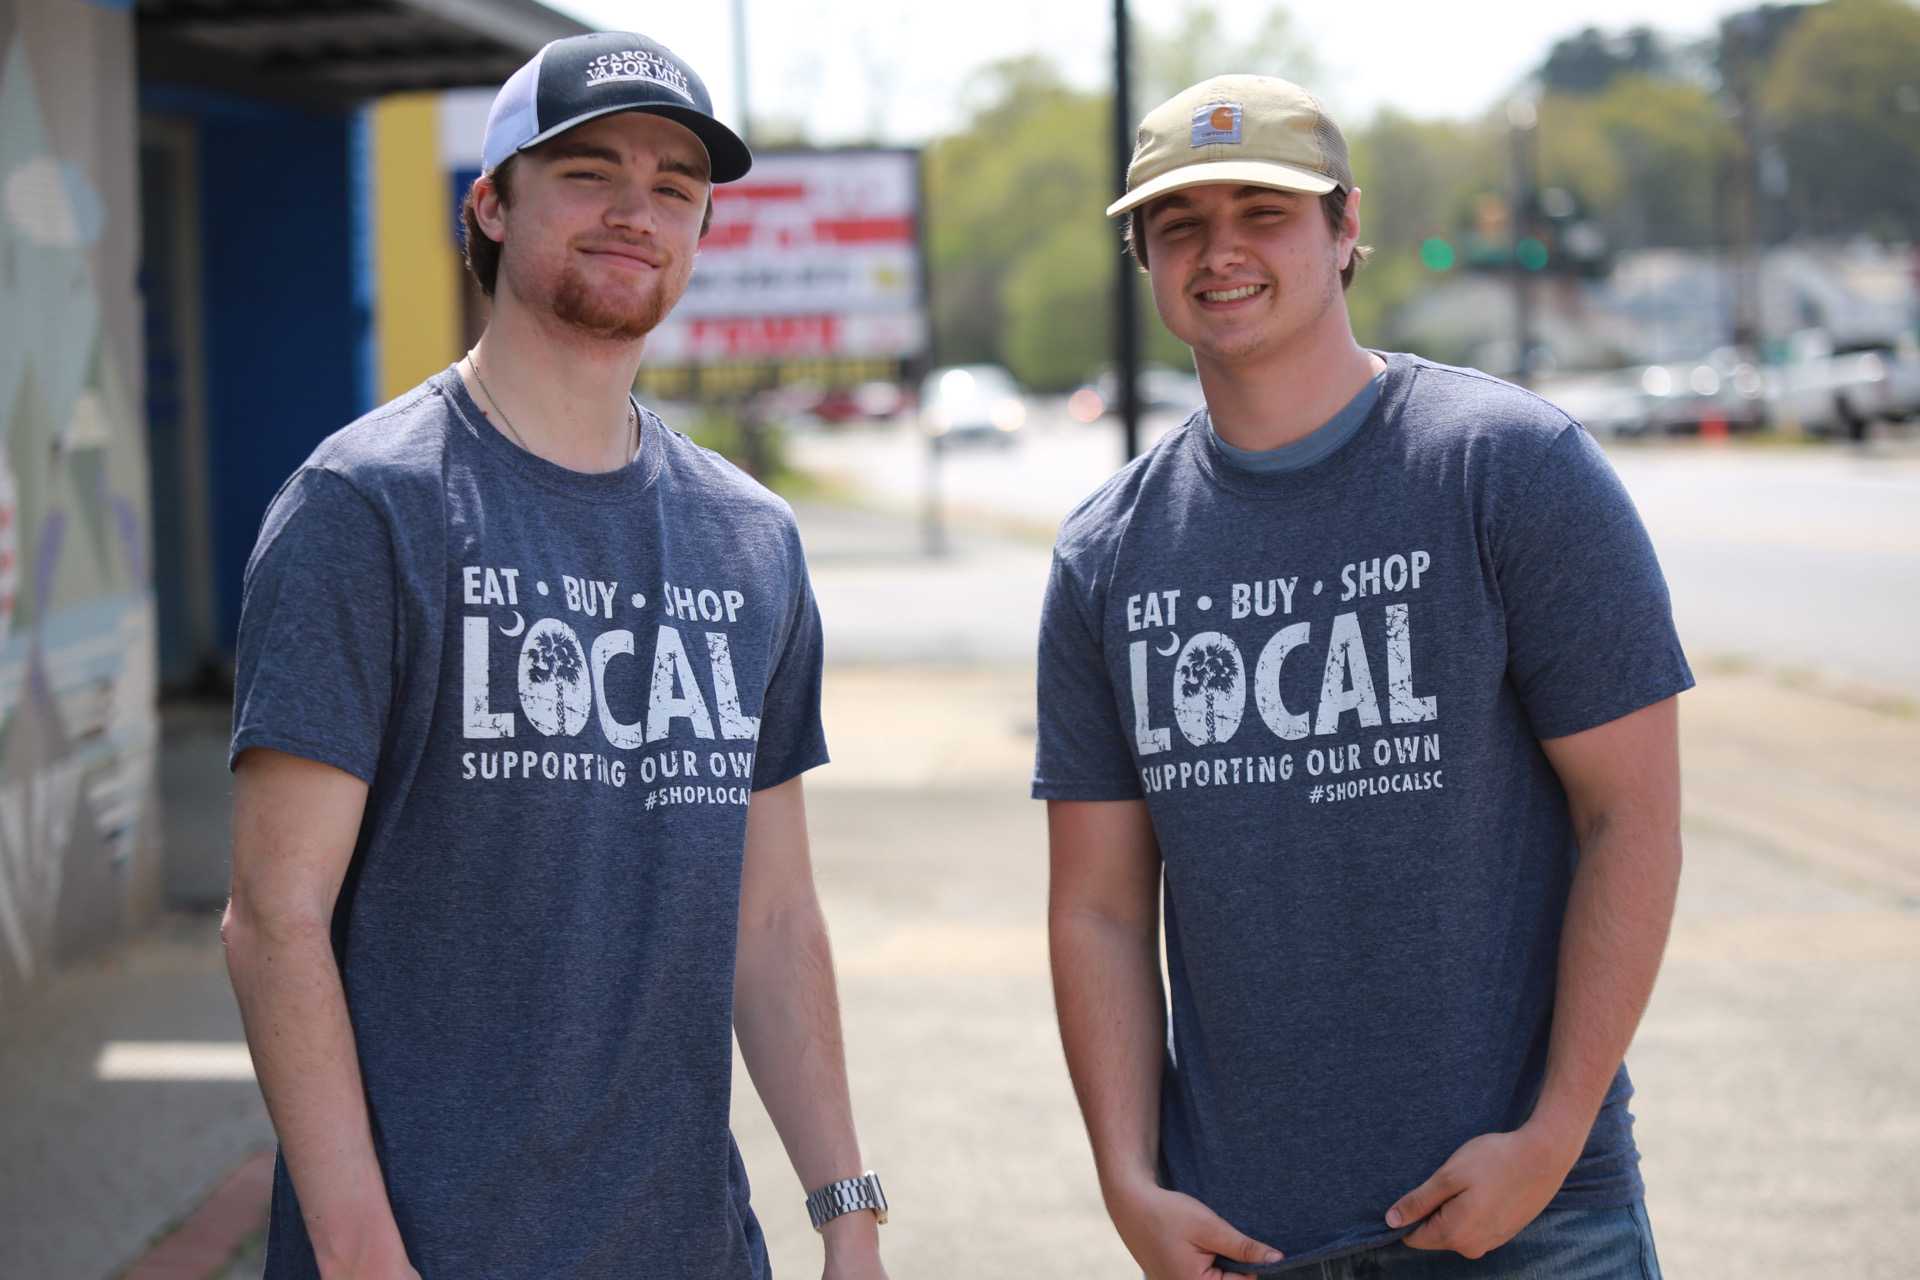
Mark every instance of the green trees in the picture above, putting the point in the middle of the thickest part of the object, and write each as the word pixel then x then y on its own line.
pixel 1199 45
pixel 1642 156
pixel 1816 107
pixel 1016 240
pixel 1841 102
pixel 1419 180
pixel 1589 61
pixel 1021 253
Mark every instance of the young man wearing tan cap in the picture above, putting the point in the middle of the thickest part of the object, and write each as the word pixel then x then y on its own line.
pixel 1371 669
pixel 525 686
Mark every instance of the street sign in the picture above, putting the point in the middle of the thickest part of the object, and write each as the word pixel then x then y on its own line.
pixel 815 256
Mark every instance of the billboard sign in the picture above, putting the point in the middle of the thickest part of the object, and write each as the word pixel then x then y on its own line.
pixel 813 257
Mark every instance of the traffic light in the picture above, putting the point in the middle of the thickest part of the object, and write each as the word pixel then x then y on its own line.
pixel 1561 239
pixel 1437 254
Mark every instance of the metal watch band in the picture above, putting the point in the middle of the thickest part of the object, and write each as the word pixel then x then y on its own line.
pixel 847 1196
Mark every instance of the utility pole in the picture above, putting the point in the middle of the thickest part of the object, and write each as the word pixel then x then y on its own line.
pixel 1524 121
pixel 747 406
pixel 740 70
pixel 1126 344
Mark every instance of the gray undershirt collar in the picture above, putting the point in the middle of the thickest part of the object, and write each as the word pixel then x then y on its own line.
pixel 1310 448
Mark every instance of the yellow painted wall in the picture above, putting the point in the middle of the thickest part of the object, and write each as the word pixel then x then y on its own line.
pixel 416 267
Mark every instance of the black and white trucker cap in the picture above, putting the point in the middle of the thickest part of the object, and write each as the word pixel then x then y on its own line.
pixel 577 79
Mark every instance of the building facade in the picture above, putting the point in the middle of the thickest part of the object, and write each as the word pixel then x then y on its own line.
pixel 213 233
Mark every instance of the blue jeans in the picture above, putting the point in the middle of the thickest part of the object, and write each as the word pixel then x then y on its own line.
pixel 1561 1244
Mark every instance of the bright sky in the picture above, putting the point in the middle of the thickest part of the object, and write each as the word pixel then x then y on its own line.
pixel 851 69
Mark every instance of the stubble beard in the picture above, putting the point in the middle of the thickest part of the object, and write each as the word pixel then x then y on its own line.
pixel 1267 341
pixel 578 305
pixel 1234 347
pixel 603 313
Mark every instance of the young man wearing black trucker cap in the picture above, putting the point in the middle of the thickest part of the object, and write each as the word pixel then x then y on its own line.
pixel 526 682
pixel 1370 669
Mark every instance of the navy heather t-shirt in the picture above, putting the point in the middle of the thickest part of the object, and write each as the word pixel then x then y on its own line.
pixel 1329 684
pixel 561 689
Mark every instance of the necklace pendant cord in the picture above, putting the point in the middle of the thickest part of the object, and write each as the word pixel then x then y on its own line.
pixel 633 417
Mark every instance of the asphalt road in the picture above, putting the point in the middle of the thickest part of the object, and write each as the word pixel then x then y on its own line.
pixel 1801 560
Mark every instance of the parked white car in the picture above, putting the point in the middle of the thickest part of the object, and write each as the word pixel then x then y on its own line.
pixel 1824 391
pixel 1724 387
pixel 972 401
pixel 1609 402
pixel 1899 366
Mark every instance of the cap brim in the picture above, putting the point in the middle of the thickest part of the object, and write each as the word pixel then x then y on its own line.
pixel 1246 173
pixel 727 155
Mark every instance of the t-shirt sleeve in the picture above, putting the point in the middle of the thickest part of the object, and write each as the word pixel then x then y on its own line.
pixel 1590 634
pixel 1082 751
pixel 792 738
pixel 314 662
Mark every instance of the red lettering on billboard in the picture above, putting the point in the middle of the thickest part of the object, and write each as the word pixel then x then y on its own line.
pixel 752 337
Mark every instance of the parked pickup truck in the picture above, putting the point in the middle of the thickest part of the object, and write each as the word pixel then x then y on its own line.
pixel 1899 398
pixel 1829 390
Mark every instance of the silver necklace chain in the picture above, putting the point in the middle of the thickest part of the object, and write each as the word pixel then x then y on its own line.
pixel 633 418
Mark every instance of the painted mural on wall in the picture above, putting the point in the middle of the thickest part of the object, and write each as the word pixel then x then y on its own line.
pixel 77 719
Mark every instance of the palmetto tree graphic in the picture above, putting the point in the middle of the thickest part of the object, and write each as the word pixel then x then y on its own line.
pixel 1212 671
pixel 555 657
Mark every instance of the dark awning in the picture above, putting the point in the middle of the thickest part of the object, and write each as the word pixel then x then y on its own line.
pixel 340 52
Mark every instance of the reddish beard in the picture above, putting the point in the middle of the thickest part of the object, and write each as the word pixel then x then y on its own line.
pixel 615 318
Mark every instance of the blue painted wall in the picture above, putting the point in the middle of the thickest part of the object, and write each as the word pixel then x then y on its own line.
pixel 287 300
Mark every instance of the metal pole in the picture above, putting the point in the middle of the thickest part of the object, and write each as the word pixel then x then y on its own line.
pixel 745 400
pixel 1126 343
pixel 933 519
pixel 1523 118
pixel 740 70
pixel 914 371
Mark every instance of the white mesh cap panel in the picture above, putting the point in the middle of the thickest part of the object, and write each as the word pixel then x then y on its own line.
pixel 514 119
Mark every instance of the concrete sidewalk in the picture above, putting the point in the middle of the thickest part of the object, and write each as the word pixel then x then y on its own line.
pixel 1779 1108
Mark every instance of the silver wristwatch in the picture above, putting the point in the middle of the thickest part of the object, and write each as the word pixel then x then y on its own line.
pixel 847 1196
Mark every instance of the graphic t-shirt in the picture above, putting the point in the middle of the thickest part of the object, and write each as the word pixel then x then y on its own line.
pixel 1329 685
pixel 561 689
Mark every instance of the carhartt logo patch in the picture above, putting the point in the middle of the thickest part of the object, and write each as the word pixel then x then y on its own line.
pixel 638 64
pixel 1217 123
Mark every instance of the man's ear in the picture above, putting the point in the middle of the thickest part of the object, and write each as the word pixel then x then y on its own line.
pixel 488 210
pixel 1350 228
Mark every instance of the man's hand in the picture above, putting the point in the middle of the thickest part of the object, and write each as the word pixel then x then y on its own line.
pixel 1175 1237
pixel 1486 1191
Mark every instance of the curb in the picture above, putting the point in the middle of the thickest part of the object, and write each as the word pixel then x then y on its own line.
pixel 207 1241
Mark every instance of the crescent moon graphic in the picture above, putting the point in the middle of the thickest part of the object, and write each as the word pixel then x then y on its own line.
pixel 1173 645
pixel 519 625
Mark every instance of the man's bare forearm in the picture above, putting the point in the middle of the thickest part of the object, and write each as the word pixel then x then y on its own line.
pixel 786 1014
pixel 1618 915
pixel 295 1014
pixel 1112 1010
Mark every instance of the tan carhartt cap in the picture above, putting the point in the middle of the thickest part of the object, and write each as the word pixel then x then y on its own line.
pixel 1252 130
